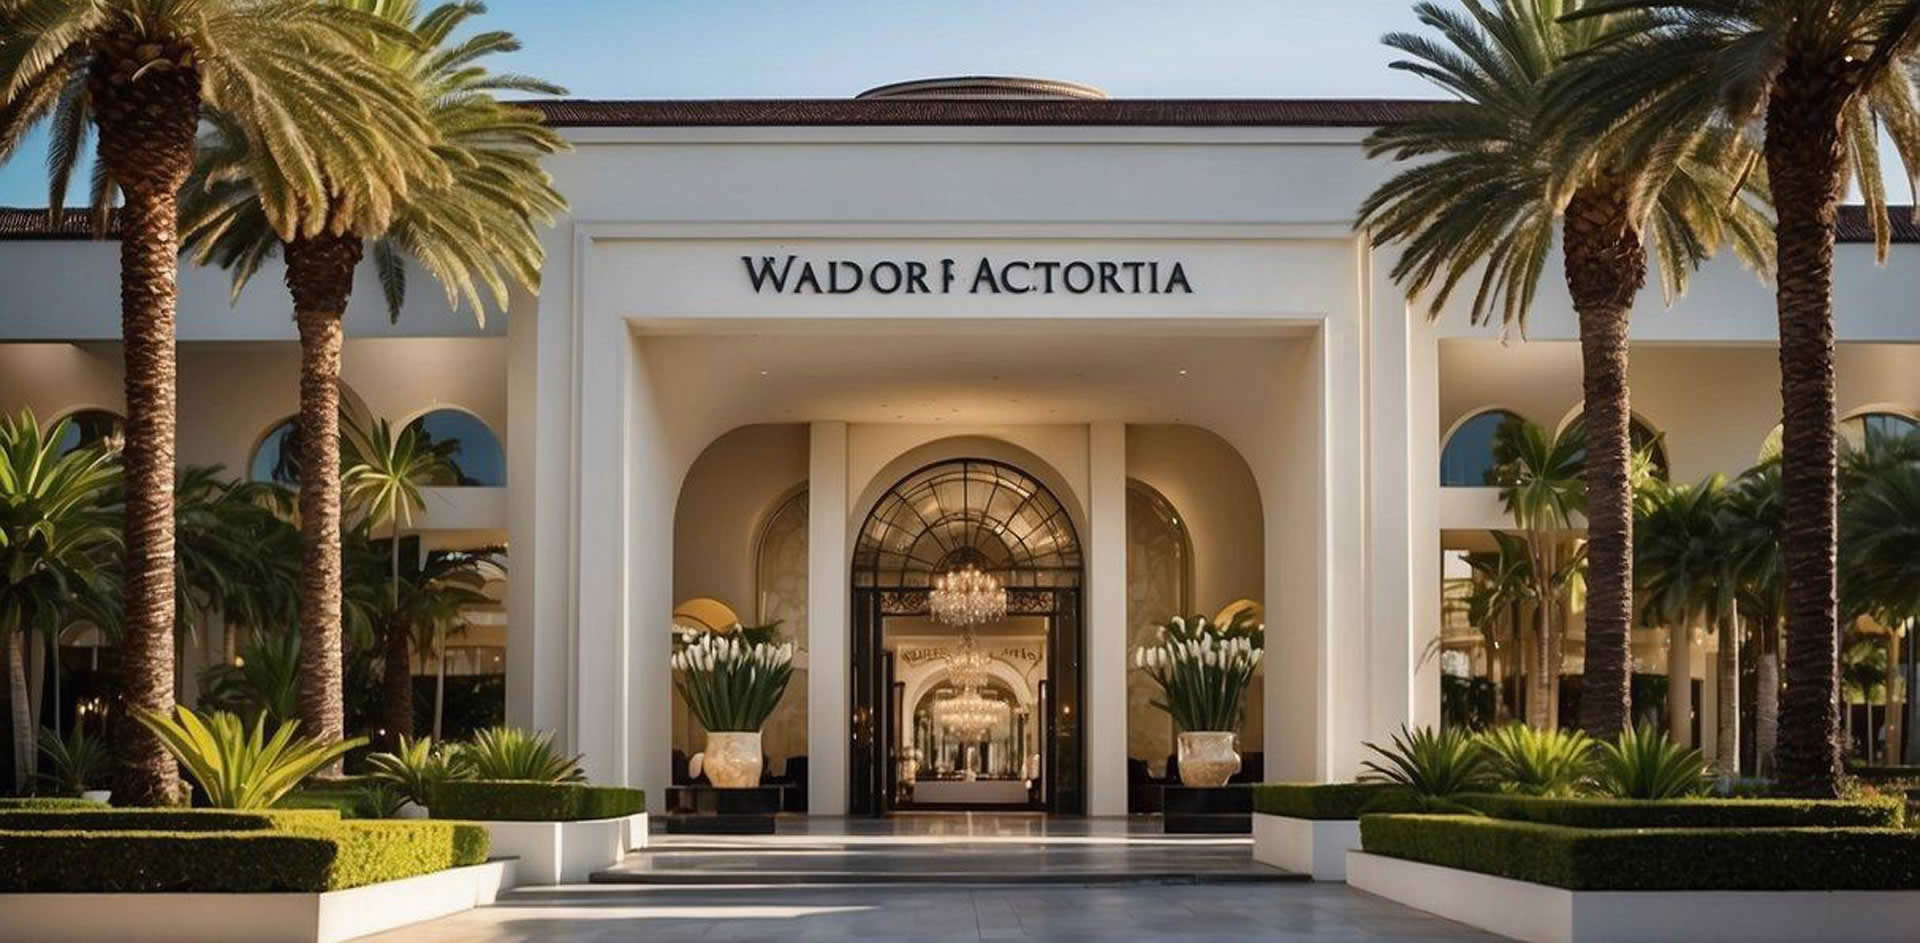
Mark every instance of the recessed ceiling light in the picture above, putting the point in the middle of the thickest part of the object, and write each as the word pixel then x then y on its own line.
pixel 1183 371
pixel 764 373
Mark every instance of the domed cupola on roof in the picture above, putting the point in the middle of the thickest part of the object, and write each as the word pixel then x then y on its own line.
pixel 985 86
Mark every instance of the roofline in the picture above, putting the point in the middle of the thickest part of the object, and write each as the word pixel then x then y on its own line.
pixel 1010 112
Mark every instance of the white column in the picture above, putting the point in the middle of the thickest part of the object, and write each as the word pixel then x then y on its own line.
pixel 654 472
pixel 540 500
pixel 829 592
pixel 601 616
pixel 1105 670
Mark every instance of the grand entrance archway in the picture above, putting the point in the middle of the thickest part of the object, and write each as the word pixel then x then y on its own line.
pixel 997 518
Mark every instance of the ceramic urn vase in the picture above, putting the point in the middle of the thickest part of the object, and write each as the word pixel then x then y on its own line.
pixel 1207 757
pixel 731 760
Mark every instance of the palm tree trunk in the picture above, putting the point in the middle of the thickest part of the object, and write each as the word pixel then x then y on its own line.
pixel 1766 701
pixel 1806 157
pixel 1606 264
pixel 1726 758
pixel 1537 712
pixel 17 700
pixel 1680 685
pixel 146 101
pixel 439 681
pixel 320 277
pixel 397 682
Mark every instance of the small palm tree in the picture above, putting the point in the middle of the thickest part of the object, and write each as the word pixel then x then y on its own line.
pixel 296 78
pixel 1686 578
pixel 1755 522
pixel 1880 546
pixel 1486 196
pixel 433 604
pixel 474 230
pixel 58 535
pixel 1823 81
pixel 1542 489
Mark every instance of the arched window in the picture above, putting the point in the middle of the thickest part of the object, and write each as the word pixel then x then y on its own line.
pixel 276 459
pixel 1467 459
pixel 478 460
pixel 93 427
pixel 1870 429
pixel 1159 586
pixel 967 511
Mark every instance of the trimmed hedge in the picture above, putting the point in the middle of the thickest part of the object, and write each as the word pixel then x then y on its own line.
pixel 500 800
pixel 1329 800
pixel 49 802
pixel 308 857
pixel 1691 813
pixel 1746 859
pixel 343 804
pixel 162 820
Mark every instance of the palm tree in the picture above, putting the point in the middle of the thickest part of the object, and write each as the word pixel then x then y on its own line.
pixel 433 603
pixel 1501 585
pixel 1541 487
pixel 1824 80
pixel 1880 547
pixel 1755 519
pixel 476 227
pixel 58 535
pixel 294 76
pixel 384 475
pixel 1686 578
pixel 1486 196
pixel 223 530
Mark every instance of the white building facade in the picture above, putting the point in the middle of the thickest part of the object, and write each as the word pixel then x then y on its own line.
pixel 762 317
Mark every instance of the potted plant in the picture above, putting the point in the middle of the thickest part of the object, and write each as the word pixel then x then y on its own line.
pixel 732 682
pixel 1203 670
pixel 79 764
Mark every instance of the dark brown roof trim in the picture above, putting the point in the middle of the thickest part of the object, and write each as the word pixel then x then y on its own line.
pixel 840 112
pixel 1852 226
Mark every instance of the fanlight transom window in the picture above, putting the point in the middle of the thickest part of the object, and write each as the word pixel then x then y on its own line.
pixel 970 511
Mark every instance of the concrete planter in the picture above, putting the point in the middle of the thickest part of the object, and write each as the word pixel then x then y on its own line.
pixel 1543 914
pixel 1307 846
pixel 564 852
pixel 252 918
pixel 635 832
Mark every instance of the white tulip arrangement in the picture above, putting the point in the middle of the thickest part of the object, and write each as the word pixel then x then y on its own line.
pixel 732 682
pixel 1203 670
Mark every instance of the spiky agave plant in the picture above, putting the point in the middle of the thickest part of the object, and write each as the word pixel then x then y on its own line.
pixel 1433 765
pixel 237 766
pixel 510 753
pixel 1536 762
pixel 1643 764
pixel 419 766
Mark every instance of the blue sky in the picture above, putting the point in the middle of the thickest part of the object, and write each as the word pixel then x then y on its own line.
pixel 835 48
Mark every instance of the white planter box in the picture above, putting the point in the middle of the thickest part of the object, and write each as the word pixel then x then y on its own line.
pixel 1306 846
pixel 635 832
pixel 562 852
pixel 1543 914
pixel 251 918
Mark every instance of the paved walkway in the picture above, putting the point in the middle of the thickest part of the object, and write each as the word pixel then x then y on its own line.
pixel 1007 878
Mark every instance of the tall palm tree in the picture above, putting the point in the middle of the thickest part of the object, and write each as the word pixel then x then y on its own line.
pixel 1486 196
pixel 58 534
pixel 1824 79
pixel 476 228
pixel 1755 525
pixel 1686 579
pixel 292 74
pixel 1541 487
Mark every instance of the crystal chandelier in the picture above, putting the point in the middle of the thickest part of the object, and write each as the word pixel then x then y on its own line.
pixel 967 596
pixel 967 663
pixel 969 716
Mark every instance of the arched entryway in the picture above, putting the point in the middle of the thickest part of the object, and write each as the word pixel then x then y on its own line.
pixel 1001 520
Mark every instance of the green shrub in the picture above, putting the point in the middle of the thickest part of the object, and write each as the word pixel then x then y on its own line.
pixel 1644 764
pixel 307 858
pixel 1539 762
pixel 49 802
pixel 1654 859
pixel 75 763
pixel 505 753
pixel 345 803
pixel 1330 800
pixel 1691 813
pixel 515 801
pixel 163 820
pixel 1433 765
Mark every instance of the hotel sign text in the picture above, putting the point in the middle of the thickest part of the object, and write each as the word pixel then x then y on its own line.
pixel 793 275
